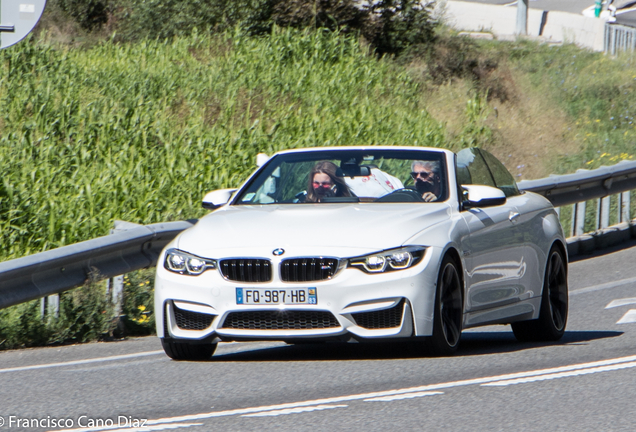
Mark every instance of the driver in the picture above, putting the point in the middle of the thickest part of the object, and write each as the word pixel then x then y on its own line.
pixel 323 182
pixel 426 175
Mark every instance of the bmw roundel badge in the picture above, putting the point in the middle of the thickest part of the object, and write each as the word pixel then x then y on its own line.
pixel 278 251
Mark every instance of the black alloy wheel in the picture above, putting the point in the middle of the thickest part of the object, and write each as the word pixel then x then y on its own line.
pixel 447 320
pixel 550 326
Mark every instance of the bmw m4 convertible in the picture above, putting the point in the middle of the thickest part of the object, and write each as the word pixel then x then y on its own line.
pixel 365 243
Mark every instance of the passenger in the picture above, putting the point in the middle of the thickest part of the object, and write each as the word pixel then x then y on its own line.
pixel 323 182
pixel 426 175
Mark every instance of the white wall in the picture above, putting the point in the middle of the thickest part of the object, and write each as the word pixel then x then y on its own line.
pixel 502 20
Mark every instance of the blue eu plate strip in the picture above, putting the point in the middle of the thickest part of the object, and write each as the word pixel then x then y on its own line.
pixel 239 296
pixel 312 297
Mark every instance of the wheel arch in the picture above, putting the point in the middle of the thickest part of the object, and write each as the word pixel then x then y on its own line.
pixel 454 255
pixel 563 249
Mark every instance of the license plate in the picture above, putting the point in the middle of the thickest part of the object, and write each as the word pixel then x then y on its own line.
pixel 287 296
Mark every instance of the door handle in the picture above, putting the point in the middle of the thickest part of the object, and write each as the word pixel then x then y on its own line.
pixel 513 215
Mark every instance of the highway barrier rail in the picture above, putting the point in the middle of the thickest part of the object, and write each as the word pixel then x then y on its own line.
pixel 619 38
pixel 58 270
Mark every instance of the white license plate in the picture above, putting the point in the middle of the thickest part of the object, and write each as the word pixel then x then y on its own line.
pixel 266 296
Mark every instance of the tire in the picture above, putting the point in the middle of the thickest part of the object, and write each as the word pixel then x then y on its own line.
pixel 550 326
pixel 187 351
pixel 448 316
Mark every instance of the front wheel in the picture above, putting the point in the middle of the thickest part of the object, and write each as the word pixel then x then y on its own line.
pixel 187 351
pixel 553 315
pixel 447 319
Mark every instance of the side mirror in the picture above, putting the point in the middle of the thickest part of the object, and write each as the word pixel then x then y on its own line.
pixel 261 159
pixel 483 196
pixel 215 199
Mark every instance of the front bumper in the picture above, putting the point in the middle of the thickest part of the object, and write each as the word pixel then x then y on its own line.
pixel 352 304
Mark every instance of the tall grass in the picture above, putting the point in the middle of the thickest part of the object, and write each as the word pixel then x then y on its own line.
pixel 140 131
pixel 595 90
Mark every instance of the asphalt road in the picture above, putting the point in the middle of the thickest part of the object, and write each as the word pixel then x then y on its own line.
pixel 582 383
pixel 626 18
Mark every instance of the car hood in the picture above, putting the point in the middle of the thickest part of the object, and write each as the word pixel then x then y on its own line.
pixel 306 230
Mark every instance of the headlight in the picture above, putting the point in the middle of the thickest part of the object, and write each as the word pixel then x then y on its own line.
pixel 394 259
pixel 186 264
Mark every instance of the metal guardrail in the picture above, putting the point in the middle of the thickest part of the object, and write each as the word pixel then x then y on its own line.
pixel 619 38
pixel 61 269
pixel 581 187
pixel 584 185
pixel 55 271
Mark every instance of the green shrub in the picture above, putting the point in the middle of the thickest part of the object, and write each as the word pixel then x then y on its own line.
pixel 86 314
pixel 344 16
pixel 138 303
pixel 399 25
pixel 22 326
pixel 161 19
pixel 89 14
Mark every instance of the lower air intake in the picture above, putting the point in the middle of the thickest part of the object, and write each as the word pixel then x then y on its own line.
pixel 280 320
pixel 188 320
pixel 382 319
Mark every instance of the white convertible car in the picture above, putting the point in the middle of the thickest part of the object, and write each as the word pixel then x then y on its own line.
pixel 365 243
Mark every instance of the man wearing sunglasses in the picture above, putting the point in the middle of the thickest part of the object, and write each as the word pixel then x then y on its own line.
pixel 427 179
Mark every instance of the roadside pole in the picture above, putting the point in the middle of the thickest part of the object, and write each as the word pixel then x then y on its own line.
pixel 522 17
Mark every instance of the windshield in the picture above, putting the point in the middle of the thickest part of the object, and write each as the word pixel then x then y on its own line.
pixel 340 176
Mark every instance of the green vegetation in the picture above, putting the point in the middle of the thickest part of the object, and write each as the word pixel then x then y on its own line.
pixel 85 314
pixel 388 26
pixel 140 132
pixel 594 91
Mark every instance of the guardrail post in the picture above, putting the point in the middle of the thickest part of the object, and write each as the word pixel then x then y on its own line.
pixel 115 285
pixel 578 219
pixel 603 212
pixel 43 307
pixel 623 207
pixel 50 306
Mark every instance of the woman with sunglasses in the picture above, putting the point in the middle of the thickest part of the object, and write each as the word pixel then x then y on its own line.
pixel 323 182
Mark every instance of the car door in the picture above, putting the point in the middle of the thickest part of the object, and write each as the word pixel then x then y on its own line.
pixel 495 259
pixel 529 222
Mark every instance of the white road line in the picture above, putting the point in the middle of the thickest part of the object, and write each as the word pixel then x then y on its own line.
pixel 614 284
pixel 620 302
pixel 403 396
pixel 410 390
pixel 577 372
pixel 628 318
pixel 81 362
pixel 294 410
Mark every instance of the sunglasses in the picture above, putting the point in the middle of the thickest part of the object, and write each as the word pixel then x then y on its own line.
pixel 425 175
pixel 324 185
